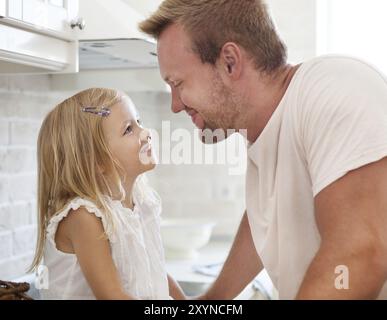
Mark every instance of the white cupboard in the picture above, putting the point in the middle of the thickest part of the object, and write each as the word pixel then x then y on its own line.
pixel 50 15
pixel 36 36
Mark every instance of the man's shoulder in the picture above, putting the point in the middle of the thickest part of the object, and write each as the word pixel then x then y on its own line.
pixel 332 86
pixel 330 67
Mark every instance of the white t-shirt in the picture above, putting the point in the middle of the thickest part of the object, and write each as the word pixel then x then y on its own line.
pixel 136 247
pixel 331 120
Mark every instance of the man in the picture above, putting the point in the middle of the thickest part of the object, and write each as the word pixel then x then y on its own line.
pixel 316 183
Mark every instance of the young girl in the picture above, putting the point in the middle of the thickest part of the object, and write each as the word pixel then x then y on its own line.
pixel 99 222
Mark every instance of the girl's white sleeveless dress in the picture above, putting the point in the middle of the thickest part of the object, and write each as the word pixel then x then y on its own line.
pixel 135 245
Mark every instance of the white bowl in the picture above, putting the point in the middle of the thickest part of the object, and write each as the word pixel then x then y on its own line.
pixel 183 237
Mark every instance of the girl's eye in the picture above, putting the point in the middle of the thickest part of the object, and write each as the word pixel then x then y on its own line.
pixel 128 130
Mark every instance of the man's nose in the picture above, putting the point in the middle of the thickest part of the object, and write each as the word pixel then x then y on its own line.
pixel 177 105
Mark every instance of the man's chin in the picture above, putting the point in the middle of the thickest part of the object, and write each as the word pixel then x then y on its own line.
pixel 198 121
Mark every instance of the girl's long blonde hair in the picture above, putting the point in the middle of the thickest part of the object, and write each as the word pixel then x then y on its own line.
pixel 71 151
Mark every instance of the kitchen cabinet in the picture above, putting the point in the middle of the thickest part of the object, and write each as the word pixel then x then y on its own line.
pixel 46 15
pixel 36 36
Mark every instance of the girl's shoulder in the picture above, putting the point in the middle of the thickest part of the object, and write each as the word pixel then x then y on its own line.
pixel 73 206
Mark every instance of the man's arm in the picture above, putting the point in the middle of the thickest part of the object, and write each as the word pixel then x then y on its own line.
pixel 241 267
pixel 351 215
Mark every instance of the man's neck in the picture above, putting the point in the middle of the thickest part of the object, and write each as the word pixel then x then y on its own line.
pixel 265 99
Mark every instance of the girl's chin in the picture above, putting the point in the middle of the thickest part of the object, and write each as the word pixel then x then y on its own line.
pixel 148 167
pixel 148 160
pixel 152 166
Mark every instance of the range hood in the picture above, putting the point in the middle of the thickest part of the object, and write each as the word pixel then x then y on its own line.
pixel 111 39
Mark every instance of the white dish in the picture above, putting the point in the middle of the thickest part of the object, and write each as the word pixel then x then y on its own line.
pixel 183 237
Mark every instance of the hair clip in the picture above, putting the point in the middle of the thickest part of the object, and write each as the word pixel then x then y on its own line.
pixel 103 112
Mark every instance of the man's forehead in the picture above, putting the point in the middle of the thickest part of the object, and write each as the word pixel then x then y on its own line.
pixel 174 53
pixel 174 33
pixel 174 37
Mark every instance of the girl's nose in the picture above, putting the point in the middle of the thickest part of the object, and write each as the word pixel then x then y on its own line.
pixel 146 135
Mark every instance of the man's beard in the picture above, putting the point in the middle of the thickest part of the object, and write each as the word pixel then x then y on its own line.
pixel 222 118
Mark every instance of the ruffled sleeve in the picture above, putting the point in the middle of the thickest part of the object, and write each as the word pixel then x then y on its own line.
pixel 75 204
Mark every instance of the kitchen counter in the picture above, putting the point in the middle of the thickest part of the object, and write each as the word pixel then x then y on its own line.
pixel 215 253
pixel 194 283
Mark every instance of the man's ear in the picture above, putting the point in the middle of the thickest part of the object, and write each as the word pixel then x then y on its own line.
pixel 231 60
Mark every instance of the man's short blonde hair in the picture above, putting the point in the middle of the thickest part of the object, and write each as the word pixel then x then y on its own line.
pixel 212 23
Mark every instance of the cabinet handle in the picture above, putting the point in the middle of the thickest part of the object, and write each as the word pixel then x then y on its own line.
pixel 79 22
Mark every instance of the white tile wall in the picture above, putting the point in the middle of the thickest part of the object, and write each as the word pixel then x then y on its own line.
pixel 24 100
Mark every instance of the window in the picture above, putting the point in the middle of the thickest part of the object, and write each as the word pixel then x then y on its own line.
pixel 58 3
pixel 353 27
